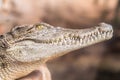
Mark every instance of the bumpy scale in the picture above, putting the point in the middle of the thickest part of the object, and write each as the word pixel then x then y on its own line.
pixel 25 47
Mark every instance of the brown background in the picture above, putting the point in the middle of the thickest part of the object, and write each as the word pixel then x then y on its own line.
pixel 97 62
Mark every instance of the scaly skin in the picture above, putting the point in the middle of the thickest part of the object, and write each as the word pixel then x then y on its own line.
pixel 25 47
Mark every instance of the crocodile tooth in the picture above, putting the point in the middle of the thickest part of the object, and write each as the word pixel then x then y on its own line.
pixel 77 35
pixel 73 35
pixel 94 36
pixel 90 34
pixel 104 35
pixel 100 36
pixel 77 38
pixel 80 40
pixel 88 40
pixel 50 41
pixel 108 33
pixel 60 43
pixel 65 42
pixel 98 33
pixel 69 40
pixel 70 35
pixel 59 39
pixel 85 40
pixel 56 40
pixel 65 36
pixel 73 42
pixel 101 32
pixel 62 37
pixel 95 33
pixel 86 34
pixel 72 38
pixel 92 39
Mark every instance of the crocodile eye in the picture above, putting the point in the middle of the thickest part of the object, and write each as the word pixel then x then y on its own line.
pixel 1 36
pixel 39 27
pixel 18 28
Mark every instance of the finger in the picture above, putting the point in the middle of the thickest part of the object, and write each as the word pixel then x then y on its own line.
pixel 35 75
pixel 41 74
pixel 45 72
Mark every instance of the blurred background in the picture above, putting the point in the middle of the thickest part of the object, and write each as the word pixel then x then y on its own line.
pixel 97 62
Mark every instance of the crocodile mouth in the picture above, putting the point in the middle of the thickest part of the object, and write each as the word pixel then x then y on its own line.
pixel 85 38
pixel 71 39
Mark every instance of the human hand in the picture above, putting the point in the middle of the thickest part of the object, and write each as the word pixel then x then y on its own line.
pixel 41 74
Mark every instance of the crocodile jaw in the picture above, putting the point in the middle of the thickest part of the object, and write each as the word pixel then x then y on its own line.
pixel 38 48
pixel 76 39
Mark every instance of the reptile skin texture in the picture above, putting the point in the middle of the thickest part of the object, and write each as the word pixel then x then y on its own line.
pixel 26 47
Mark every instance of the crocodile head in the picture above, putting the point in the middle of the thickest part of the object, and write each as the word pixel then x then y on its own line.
pixel 42 41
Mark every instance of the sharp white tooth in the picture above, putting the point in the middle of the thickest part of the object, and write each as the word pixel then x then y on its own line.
pixel 70 43
pixel 95 33
pixel 52 42
pixel 60 41
pixel 69 39
pixel 56 42
pixel 92 40
pixel 92 37
pixel 77 35
pixel 77 42
pixel 98 33
pixel 85 41
pixel 72 38
pixel 57 39
pixel 75 38
pixel 104 35
pixel 92 33
pixel 108 33
pixel 80 40
pixel 99 36
pixel 65 36
pixel 88 41
pixel 87 34
pixel 73 42
pixel 62 37
pixel 67 42
pixel 71 35
pixel 95 38
pixel 81 36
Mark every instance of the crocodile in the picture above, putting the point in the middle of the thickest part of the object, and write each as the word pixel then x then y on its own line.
pixel 26 47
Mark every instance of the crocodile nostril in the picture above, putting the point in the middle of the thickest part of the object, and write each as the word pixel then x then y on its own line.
pixel 1 36
pixel 106 27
